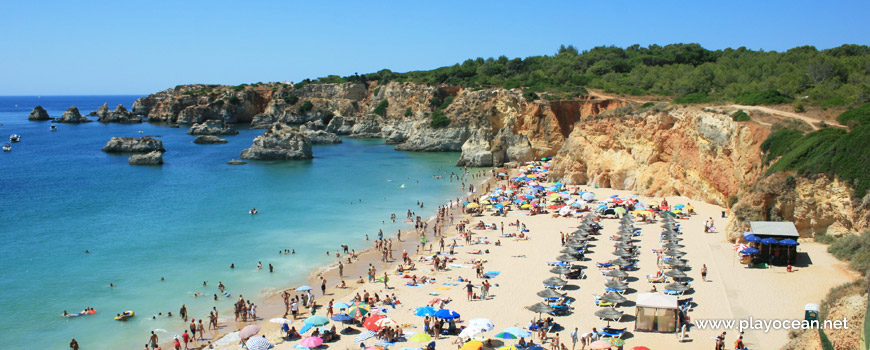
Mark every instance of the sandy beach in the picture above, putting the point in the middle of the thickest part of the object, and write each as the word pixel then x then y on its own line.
pixel 732 291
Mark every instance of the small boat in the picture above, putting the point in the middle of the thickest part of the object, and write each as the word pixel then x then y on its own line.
pixel 125 315
pixel 14 137
pixel 53 127
pixel 7 147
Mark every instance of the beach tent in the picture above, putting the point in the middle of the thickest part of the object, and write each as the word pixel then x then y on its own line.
pixel 656 312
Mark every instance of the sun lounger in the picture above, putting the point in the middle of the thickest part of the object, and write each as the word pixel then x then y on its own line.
pixel 654 279
pixel 607 264
pixel 553 286
pixel 558 263
pixel 673 292
pixel 612 332
pixel 620 291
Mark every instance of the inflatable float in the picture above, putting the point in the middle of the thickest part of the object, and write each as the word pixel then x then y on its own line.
pixel 125 315
pixel 86 312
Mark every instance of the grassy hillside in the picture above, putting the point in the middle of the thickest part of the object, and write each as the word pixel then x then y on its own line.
pixel 687 72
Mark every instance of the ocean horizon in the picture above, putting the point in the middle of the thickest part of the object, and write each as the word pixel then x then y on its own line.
pixel 185 221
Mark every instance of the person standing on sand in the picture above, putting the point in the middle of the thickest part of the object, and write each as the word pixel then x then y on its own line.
pixel 186 338
pixel 574 338
pixel 704 273
pixel 386 278
pixel 322 286
pixel 340 269
pixel 469 288
pixel 200 330
pixel 192 327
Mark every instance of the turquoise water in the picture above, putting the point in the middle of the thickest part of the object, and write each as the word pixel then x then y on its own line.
pixel 186 221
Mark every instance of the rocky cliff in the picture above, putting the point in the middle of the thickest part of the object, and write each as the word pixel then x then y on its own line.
pixel 143 144
pixel 119 115
pixel 279 142
pixel 72 116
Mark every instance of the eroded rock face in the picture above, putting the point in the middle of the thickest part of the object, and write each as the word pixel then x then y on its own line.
pixel 72 116
pixel 143 144
pixel 212 127
pixel 119 115
pixel 279 142
pixel 317 136
pixel 208 140
pixel 38 114
pixel 150 158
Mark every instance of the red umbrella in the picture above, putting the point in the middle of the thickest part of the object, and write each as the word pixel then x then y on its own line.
pixel 371 322
pixel 640 348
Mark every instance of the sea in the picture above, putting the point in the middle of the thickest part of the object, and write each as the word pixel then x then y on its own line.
pixel 184 222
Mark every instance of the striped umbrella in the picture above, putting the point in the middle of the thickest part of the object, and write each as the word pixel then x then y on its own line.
pixel 371 322
pixel 364 336
pixel 358 310
pixel 257 343
pixel 506 335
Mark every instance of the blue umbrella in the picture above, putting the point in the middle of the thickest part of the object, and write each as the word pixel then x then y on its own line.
pixel 788 242
pixel 447 314
pixel 506 335
pixel 303 288
pixel 752 238
pixel 750 251
pixel 679 206
pixel 341 318
pixel 519 332
pixel 769 241
pixel 305 328
pixel 425 311
pixel 341 306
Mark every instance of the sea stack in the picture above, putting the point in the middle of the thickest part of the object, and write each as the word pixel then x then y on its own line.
pixel 150 158
pixel 119 115
pixel 38 114
pixel 212 127
pixel 279 142
pixel 208 140
pixel 133 145
pixel 72 116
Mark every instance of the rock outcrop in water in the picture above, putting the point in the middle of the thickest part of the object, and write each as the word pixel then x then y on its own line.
pixel 150 158
pixel 212 127
pixel 208 140
pixel 38 114
pixel 143 144
pixel 72 116
pixel 119 115
pixel 279 142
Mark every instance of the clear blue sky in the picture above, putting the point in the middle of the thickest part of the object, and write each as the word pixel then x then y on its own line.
pixel 139 47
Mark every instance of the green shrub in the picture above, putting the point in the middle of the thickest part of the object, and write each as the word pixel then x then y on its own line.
pixel 530 95
pixel 799 106
pixel 381 109
pixel 218 103
pixel 439 120
pixel 291 99
pixel 306 107
pixel 740 116
pixel 447 102
pixel 824 239
pixel 239 87
pixel 762 97
pixel 647 105
pixel 696 97
pixel 377 90
pixel 234 100
pixel 409 112
pixel 860 115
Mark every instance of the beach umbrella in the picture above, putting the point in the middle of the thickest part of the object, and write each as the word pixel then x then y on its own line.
pixel 616 284
pixel 420 338
pixel 249 331
pixel 341 318
pixel 447 314
pixel 469 332
pixel 566 258
pixel 358 310
pixel 258 343
pixel 675 262
pixel 311 342
pixel 341 305
pixel 540 308
pixel 609 314
pixel 676 274
pixel 640 348
pixel 622 253
pixel 303 288
pixel 518 332
pixel 425 311
pixel 317 320
pixel 506 335
pixel 621 245
pixel 788 242
pixel 674 253
pixel 555 281
pixel 600 345
pixel 620 210
pixel 750 251
pixel 280 320
pixel 371 322
pixel 588 196
pixel 561 270
pixel 613 297
pixel 677 287
pixel 671 245
pixel 472 345
pixel 751 238
pixel 386 322
pixel 616 273
pixel 620 262
pixel 483 324
pixel 623 239
pixel 305 328
pixel 549 293
pixel 769 241
pixel 575 245
pixel 672 239
pixel 579 238
pixel 365 335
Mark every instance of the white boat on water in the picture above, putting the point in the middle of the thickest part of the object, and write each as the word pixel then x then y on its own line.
pixel 14 137
pixel 7 147
pixel 53 127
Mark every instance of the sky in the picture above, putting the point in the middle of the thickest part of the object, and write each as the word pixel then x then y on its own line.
pixel 141 47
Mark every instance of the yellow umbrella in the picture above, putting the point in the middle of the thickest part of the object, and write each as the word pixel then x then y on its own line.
pixel 525 206
pixel 689 207
pixel 676 211
pixel 472 205
pixel 506 203
pixel 472 345
pixel 641 212
pixel 507 347
pixel 484 202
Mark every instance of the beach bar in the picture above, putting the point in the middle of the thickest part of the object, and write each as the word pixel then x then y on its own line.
pixel 657 312
pixel 775 236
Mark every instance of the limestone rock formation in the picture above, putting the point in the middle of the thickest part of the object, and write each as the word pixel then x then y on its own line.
pixel 72 116
pixel 38 114
pixel 208 140
pixel 119 115
pixel 143 144
pixel 150 158
pixel 313 131
pixel 236 162
pixel 102 112
pixel 212 127
pixel 279 142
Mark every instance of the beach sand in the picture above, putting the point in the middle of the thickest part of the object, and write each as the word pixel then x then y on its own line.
pixel 732 290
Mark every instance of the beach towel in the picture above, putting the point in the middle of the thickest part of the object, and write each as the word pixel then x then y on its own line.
pixel 491 274
pixel 442 288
